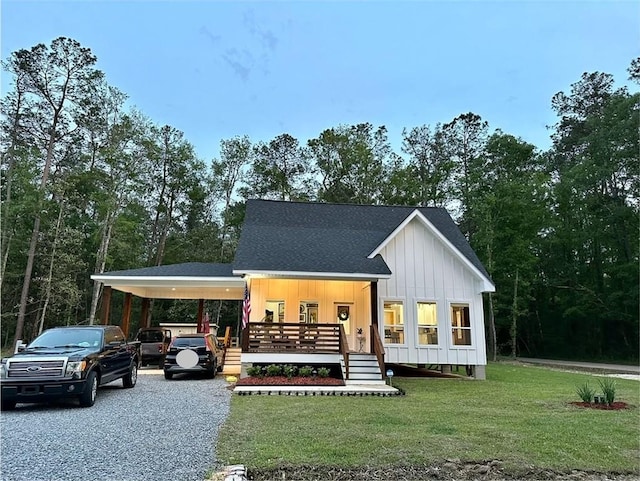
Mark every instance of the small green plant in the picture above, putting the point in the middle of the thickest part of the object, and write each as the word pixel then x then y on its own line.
pixel 289 370
pixel 586 392
pixel 254 371
pixel 608 387
pixel 323 371
pixel 305 371
pixel 274 370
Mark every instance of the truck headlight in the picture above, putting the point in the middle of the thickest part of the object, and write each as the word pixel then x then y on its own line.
pixel 75 368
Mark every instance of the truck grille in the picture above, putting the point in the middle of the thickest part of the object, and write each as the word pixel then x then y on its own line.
pixel 39 368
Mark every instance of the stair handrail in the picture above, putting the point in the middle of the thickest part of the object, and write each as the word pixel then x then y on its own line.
pixel 344 350
pixel 378 347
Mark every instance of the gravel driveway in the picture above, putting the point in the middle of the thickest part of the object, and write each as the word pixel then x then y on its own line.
pixel 158 431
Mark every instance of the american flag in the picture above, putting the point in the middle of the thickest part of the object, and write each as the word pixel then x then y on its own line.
pixel 246 307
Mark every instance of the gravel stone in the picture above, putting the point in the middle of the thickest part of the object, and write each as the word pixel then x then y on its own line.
pixel 160 430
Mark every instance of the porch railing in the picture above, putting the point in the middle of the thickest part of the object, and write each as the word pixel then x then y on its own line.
pixel 377 347
pixel 344 350
pixel 291 338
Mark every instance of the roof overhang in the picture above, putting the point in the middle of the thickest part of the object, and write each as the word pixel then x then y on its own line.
pixel 337 276
pixel 176 287
pixel 486 284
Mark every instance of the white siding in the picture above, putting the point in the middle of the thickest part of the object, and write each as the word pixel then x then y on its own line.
pixel 424 269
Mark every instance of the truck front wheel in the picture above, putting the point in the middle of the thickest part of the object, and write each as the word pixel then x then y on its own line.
pixel 132 377
pixel 88 396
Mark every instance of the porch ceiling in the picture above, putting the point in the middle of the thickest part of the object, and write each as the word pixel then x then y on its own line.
pixel 176 288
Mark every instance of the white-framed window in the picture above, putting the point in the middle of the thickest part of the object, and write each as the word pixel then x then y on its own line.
pixel 393 322
pixel 460 324
pixel 427 317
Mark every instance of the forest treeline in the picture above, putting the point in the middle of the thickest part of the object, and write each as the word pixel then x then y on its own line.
pixel 91 185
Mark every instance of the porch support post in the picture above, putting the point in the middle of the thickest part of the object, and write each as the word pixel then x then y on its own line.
pixel 145 321
pixel 126 314
pixel 374 303
pixel 106 304
pixel 200 314
pixel 374 311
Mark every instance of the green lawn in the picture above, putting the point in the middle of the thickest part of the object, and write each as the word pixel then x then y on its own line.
pixel 519 415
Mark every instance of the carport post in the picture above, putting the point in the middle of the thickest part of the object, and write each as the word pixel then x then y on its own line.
pixel 200 311
pixel 144 315
pixel 126 314
pixel 106 304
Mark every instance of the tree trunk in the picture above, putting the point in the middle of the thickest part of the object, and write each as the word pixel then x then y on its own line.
pixel 101 260
pixel 514 318
pixel 26 283
pixel 51 264
pixel 492 329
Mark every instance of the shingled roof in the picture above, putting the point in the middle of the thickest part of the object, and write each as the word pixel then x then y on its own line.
pixel 297 237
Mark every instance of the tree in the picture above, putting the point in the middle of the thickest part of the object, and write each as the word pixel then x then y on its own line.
pixel 430 167
pixel 465 137
pixel 352 162
pixel 55 78
pixel 590 259
pixel 235 158
pixel 279 170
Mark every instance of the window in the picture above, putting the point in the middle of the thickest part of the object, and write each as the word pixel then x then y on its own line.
pixel 309 312
pixel 460 325
pixel 393 323
pixel 273 311
pixel 427 323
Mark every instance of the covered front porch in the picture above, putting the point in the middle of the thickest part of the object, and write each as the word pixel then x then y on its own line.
pixel 302 343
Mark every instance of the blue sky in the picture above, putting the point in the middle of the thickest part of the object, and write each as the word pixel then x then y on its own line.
pixel 218 69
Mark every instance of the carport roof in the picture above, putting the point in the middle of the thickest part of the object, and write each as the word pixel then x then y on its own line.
pixel 192 280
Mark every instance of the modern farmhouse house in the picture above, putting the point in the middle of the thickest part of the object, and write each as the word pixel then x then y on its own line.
pixel 339 283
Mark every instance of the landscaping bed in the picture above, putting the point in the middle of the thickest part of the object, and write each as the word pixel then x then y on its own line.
pixel 448 470
pixel 285 381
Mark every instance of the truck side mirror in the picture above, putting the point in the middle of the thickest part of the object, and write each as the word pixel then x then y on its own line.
pixel 20 346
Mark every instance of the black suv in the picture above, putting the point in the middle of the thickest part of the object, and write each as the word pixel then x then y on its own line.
pixel 192 353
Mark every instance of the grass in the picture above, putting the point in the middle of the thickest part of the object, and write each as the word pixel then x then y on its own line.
pixel 519 415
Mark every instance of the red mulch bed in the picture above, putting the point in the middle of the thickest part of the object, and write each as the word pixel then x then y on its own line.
pixel 285 381
pixel 615 406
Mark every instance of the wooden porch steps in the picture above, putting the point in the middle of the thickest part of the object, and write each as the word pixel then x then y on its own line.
pixel 363 369
pixel 232 365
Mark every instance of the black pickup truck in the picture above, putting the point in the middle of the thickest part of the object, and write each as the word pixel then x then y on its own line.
pixel 65 362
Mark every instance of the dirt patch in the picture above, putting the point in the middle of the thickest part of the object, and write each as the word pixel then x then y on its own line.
pixel 615 406
pixel 446 471
pixel 285 381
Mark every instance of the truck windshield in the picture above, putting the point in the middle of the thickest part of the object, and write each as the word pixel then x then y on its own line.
pixel 68 338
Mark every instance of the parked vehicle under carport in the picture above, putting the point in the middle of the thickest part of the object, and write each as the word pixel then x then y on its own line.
pixel 193 354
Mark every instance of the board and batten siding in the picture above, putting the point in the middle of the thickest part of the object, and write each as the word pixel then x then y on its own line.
pixel 327 293
pixel 424 269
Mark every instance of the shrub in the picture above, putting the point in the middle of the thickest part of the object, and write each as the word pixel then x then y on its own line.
pixel 289 370
pixel 305 371
pixel 586 392
pixel 274 370
pixel 323 371
pixel 608 387
pixel 254 371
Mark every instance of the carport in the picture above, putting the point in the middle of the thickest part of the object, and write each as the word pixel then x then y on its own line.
pixel 192 280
